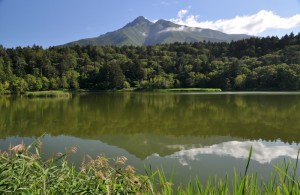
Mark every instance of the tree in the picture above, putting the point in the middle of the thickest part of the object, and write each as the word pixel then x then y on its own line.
pixel 286 77
pixel 19 86
pixel 111 76
pixel 64 82
pixel 255 63
pixel 1 89
pixel 19 66
pixel 2 72
pixel 200 80
pixel 240 81
pixel 32 82
pixel 68 62
pixel 133 71
pixel 72 79
pixel 53 83
pixel 162 81
pixel 45 83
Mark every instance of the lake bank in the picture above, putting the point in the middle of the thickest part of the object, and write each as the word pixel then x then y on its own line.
pixel 68 93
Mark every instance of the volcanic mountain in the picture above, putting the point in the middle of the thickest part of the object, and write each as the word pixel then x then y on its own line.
pixel 144 32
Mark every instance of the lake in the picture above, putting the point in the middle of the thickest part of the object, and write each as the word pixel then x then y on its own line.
pixel 186 134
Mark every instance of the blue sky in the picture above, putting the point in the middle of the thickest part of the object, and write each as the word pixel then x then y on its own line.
pixel 54 22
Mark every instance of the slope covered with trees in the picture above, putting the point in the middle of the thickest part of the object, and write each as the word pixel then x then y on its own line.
pixel 252 64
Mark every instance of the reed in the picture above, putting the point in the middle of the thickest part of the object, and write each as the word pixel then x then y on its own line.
pixel 23 171
pixel 193 90
pixel 44 94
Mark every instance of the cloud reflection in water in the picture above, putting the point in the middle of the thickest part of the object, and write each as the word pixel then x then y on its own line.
pixel 263 152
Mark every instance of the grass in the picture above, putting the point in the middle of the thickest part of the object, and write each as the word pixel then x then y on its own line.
pixel 23 171
pixel 133 89
pixel 183 90
pixel 60 94
pixel 193 90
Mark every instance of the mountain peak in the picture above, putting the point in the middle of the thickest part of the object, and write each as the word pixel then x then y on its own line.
pixel 141 19
pixel 138 21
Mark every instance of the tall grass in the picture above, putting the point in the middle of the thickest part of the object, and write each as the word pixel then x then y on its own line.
pixel 43 94
pixel 23 171
pixel 183 90
pixel 283 181
pixel 193 90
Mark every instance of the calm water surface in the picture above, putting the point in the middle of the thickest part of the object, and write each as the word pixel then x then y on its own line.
pixel 192 134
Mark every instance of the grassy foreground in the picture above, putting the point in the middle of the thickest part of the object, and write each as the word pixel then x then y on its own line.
pixel 23 171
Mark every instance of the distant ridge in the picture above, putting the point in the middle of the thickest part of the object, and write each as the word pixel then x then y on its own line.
pixel 144 32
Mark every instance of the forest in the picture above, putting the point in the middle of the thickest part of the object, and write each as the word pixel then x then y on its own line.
pixel 258 63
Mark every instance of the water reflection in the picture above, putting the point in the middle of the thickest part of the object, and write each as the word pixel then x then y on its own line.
pixel 266 117
pixel 145 145
pixel 263 152
pixel 211 133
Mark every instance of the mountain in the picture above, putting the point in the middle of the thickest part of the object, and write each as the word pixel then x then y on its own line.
pixel 143 32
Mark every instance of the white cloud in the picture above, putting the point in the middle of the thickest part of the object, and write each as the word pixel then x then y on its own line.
pixel 169 29
pixel 144 34
pixel 180 29
pixel 248 24
pixel 182 13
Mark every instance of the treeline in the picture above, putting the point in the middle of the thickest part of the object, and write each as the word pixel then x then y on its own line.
pixel 269 63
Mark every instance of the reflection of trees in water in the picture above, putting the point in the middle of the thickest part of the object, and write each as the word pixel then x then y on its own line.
pixel 268 117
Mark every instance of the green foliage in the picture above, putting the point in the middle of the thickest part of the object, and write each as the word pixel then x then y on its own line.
pixel 111 76
pixel 126 85
pixel 35 83
pixel 45 83
pixel 252 64
pixel 19 86
pixel 1 88
pixel 71 77
pixel 64 82
pixel 239 81
pixel 53 83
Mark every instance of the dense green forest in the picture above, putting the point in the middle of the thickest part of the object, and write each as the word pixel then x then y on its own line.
pixel 268 63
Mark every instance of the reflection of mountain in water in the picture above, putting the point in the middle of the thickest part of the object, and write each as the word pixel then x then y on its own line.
pixel 144 145
pixel 146 123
